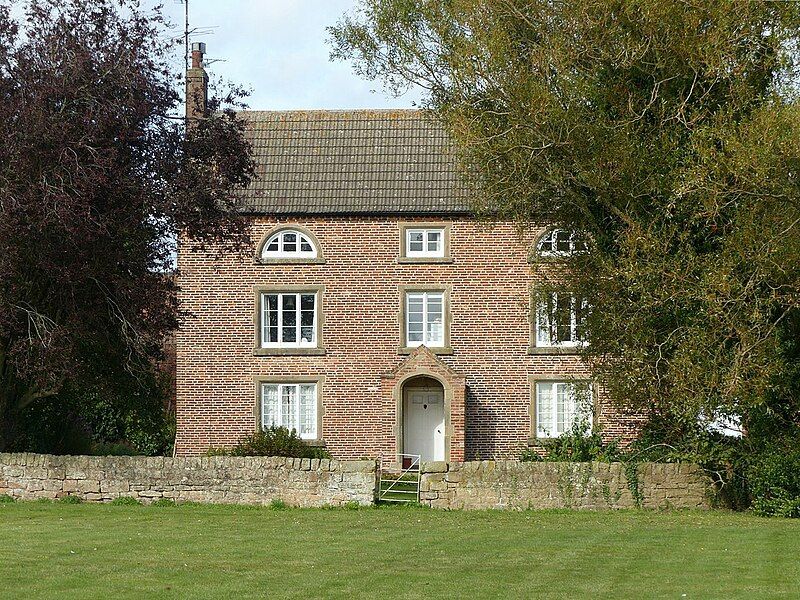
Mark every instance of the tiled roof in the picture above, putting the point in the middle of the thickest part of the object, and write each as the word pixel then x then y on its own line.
pixel 349 162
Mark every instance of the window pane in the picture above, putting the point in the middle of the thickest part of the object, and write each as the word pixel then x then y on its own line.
pixel 289 325
pixel 581 311
pixel 290 242
pixel 289 303
pixel 434 241
pixel 273 245
pixel 288 406
pixel 544 409
pixel 435 327
pixel 435 333
pixel 582 402
pixel 546 245
pixel 563 409
pixel 563 318
pixel 414 317
pixel 563 241
pixel 416 241
pixel 308 411
pixel 305 245
pixel 270 407
pixel 307 302
pixel 543 324
pixel 270 317
pixel 415 302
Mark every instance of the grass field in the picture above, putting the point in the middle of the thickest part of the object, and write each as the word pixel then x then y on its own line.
pixel 100 551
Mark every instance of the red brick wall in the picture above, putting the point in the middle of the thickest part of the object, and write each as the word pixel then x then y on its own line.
pixel 490 333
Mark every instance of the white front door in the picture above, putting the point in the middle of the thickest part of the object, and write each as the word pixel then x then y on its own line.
pixel 423 423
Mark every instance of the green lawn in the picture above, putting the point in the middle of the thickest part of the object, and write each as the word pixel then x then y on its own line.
pixel 100 551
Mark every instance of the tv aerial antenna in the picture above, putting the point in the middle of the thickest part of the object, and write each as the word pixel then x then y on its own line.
pixel 188 33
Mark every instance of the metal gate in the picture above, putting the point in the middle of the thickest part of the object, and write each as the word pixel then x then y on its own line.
pixel 398 479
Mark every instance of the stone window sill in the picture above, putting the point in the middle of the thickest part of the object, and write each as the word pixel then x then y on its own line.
pixel 422 260
pixel 554 350
pixel 290 261
pixel 288 351
pixel 442 350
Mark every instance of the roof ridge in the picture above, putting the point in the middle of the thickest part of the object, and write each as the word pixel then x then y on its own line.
pixel 377 112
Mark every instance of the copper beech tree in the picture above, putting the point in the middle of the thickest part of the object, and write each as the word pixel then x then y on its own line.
pixel 668 134
pixel 97 177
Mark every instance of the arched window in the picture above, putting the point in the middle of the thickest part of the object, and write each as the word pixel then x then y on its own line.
pixel 560 242
pixel 289 243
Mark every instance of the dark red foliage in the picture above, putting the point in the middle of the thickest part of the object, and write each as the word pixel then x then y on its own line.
pixel 96 179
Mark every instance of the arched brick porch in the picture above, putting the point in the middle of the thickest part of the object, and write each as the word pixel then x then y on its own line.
pixel 423 362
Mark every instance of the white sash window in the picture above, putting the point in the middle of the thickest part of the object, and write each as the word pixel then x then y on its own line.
pixel 290 405
pixel 425 243
pixel 561 406
pixel 289 320
pixel 425 319
pixel 560 321
pixel 561 243
pixel 289 243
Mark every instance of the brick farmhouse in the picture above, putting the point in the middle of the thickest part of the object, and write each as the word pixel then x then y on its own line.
pixel 376 315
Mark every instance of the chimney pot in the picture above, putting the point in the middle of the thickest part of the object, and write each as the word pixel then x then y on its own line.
pixel 198 50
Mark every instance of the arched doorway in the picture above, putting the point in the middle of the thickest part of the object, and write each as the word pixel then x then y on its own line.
pixel 423 414
pixel 422 368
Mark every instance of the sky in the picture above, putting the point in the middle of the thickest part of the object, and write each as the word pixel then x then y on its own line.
pixel 278 49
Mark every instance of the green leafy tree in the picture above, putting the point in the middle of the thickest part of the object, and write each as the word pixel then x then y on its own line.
pixel 668 134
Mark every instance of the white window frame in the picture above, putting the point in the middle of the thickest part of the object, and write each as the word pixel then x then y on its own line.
pixel 298 343
pixel 544 328
pixel 425 252
pixel 551 236
pixel 297 253
pixel 575 410
pixel 426 340
pixel 296 410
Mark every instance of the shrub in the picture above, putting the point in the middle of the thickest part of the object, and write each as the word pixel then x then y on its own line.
pixel 277 504
pixel 125 501
pixel 90 418
pixel 578 445
pixel 275 441
pixel 5 498
pixel 70 500
pixel 164 502
pixel 773 478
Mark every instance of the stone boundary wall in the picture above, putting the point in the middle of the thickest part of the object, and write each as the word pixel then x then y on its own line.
pixel 537 485
pixel 218 479
pixel 314 482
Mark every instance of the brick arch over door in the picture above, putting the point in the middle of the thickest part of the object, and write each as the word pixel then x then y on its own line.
pixel 424 363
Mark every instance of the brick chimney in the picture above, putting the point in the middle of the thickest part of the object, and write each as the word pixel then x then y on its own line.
pixel 196 85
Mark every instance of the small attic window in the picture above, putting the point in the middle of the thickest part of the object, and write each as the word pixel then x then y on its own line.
pixel 289 243
pixel 560 242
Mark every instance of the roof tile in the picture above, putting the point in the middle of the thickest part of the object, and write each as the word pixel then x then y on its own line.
pixel 351 162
